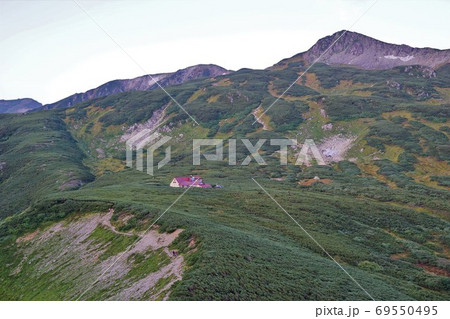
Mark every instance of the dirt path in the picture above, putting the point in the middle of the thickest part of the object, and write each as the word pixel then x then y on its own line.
pixel 106 221
pixel 258 113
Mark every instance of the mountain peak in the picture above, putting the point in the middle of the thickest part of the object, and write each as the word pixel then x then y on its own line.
pixel 351 48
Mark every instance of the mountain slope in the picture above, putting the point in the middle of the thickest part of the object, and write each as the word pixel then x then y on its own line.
pixel 38 157
pixel 352 48
pixel 380 206
pixel 142 83
pixel 19 105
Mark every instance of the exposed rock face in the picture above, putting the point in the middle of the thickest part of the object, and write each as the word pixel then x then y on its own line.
pixel 70 251
pixel 368 53
pixel 18 106
pixel 335 147
pixel 143 83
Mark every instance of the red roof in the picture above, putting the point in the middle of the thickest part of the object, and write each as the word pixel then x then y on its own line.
pixel 194 181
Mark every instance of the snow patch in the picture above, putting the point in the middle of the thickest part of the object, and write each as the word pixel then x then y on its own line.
pixel 403 58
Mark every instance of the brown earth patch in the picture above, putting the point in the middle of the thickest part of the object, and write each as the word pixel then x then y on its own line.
pixel 309 182
pixel 434 270
pixel 399 255
pixel 27 237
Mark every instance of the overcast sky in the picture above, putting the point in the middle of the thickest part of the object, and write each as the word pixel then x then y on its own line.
pixel 51 49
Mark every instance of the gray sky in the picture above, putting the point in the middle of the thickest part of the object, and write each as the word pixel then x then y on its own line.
pixel 51 49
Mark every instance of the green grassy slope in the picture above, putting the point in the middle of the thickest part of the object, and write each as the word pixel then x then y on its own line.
pixel 39 157
pixel 384 216
pixel 249 249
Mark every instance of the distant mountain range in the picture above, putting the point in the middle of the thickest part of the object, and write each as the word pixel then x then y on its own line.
pixel 143 83
pixel 349 48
